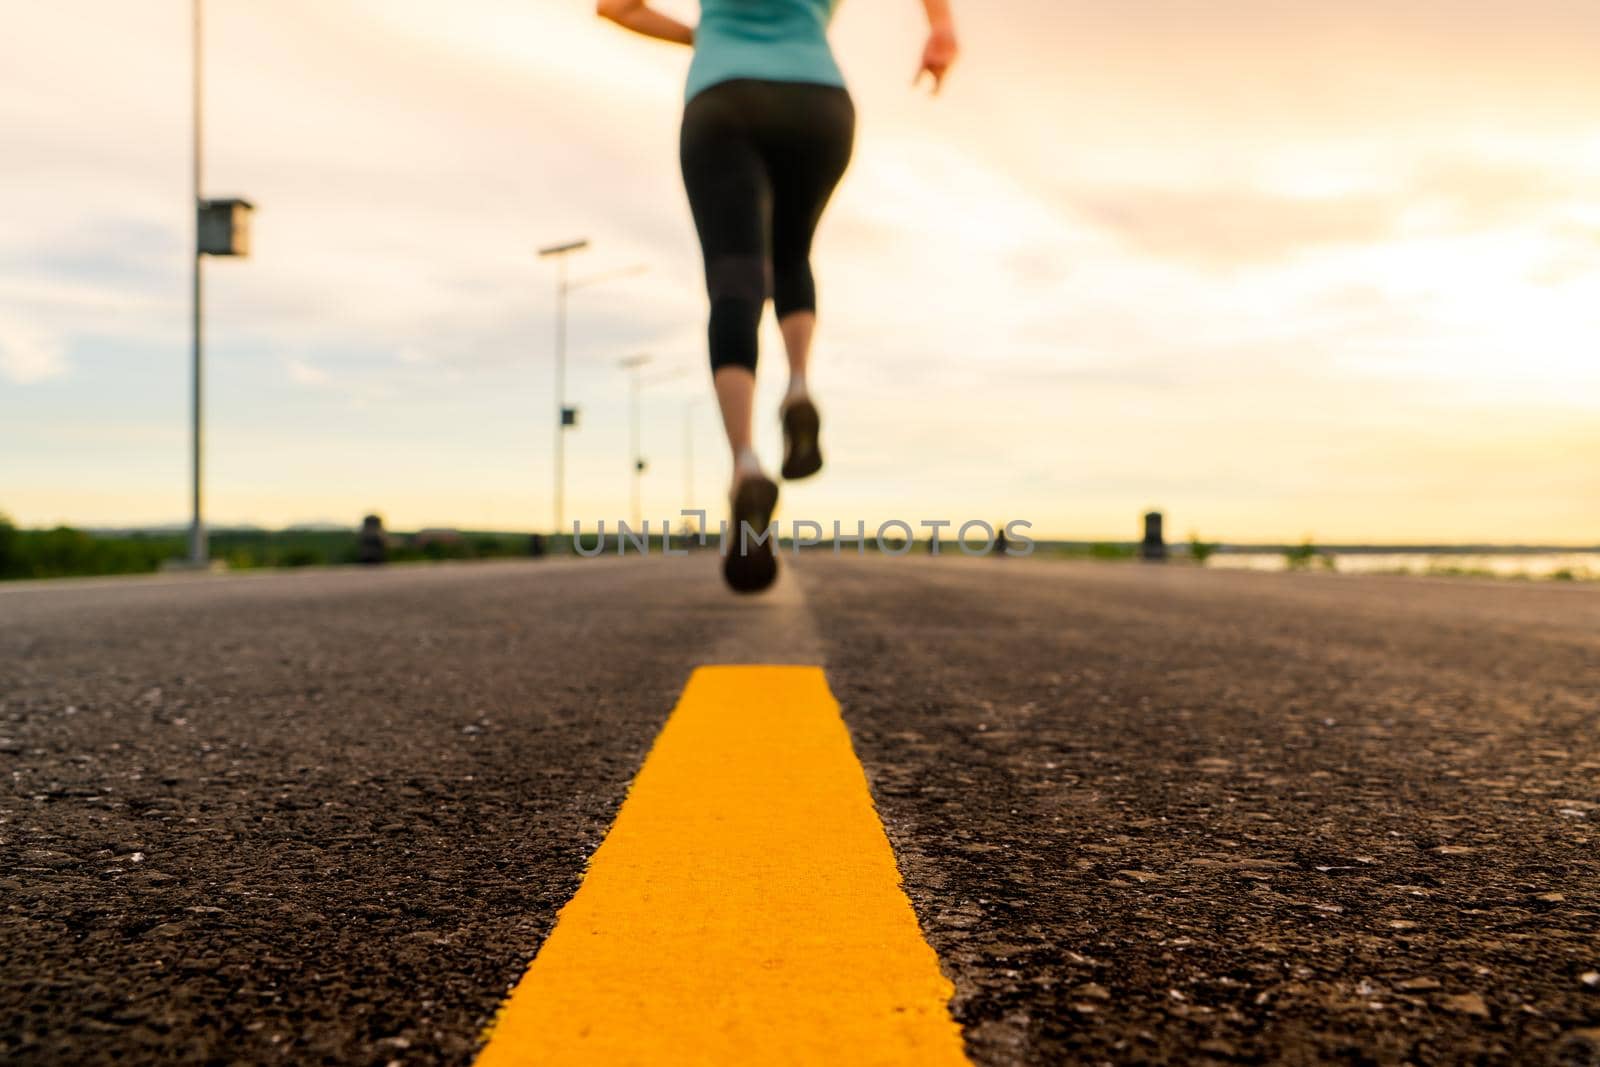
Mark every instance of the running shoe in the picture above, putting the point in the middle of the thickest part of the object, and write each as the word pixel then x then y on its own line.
pixel 749 567
pixel 802 454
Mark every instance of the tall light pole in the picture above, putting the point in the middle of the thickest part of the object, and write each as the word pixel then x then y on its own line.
pixel 688 453
pixel 634 364
pixel 567 417
pixel 221 228
pixel 198 546
pixel 564 417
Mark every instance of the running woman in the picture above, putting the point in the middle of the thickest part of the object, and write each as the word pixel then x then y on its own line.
pixel 768 128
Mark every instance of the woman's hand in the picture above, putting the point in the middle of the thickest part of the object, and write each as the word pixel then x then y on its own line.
pixel 640 17
pixel 941 49
pixel 937 57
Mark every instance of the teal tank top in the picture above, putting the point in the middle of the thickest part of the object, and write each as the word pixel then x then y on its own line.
pixel 776 40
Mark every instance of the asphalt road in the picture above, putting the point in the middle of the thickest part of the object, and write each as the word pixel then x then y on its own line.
pixel 1144 814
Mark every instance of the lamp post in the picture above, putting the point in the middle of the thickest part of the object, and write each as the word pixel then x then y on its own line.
pixel 633 364
pixel 564 416
pixel 568 416
pixel 688 453
pixel 198 547
pixel 221 228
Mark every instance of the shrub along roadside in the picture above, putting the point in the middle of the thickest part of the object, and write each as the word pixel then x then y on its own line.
pixel 67 552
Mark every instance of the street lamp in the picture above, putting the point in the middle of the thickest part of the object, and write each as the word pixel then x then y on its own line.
pixel 568 416
pixel 634 364
pixel 640 464
pixel 564 416
pixel 221 228
pixel 688 453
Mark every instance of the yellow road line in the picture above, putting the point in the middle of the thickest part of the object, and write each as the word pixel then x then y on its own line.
pixel 744 909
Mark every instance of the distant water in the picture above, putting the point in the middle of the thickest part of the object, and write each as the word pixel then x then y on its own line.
pixel 1584 566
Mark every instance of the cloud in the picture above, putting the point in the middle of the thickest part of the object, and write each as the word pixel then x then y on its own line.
pixel 1118 254
pixel 28 355
pixel 1246 225
pixel 1233 227
pixel 302 373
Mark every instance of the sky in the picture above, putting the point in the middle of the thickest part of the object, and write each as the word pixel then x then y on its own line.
pixel 1278 270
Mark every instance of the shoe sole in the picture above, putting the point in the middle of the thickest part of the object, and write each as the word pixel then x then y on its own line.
pixel 802 452
pixel 753 567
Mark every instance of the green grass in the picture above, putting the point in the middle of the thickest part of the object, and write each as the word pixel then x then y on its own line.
pixel 1199 550
pixel 1097 550
pixel 1305 556
pixel 66 552
pixel 1448 570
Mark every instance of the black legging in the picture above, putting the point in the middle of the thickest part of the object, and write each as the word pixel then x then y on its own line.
pixel 760 159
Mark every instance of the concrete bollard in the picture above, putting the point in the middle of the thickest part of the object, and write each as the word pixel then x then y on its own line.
pixel 1153 548
pixel 372 543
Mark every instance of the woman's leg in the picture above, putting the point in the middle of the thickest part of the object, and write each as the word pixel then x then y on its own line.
pixel 806 157
pixel 730 195
pixel 807 150
pixel 797 328
pixel 736 394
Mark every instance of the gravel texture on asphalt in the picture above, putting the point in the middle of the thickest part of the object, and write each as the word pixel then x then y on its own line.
pixel 322 817
pixel 1145 814
pixel 1156 814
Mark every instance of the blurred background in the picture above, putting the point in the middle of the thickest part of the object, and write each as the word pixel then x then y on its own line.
pixel 1284 273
